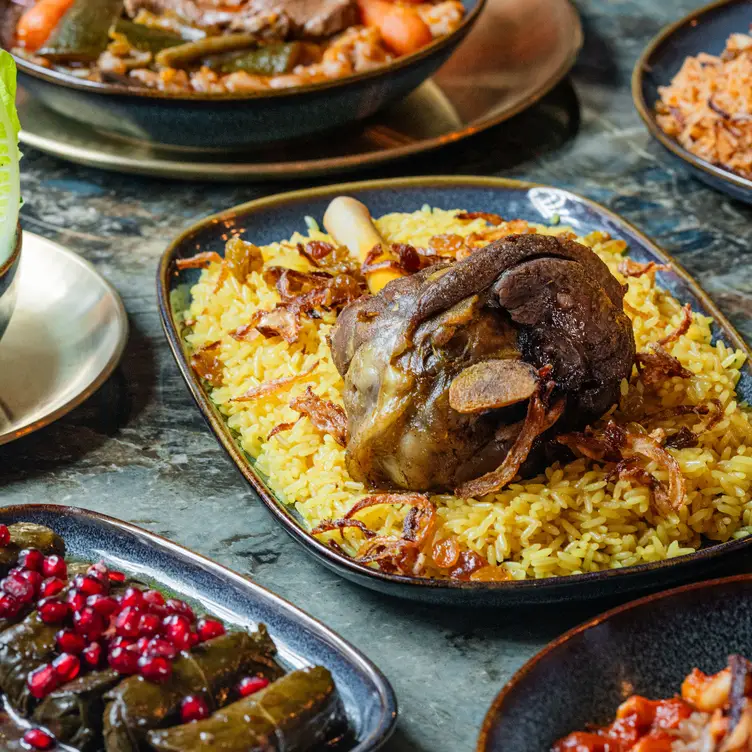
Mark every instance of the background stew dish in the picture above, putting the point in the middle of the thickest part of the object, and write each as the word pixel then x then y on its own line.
pixel 243 46
pixel 95 660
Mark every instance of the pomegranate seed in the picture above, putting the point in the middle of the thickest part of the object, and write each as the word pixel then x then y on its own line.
pixel 193 708
pixel 178 631
pixel 132 597
pixel 126 624
pixel 141 644
pixel 51 586
pixel 251 684
pixel 149 625
pixel 105 605
pixel 42 681
pixel 66 667
pixel 89 585
pixel 54 566
pixel 77 600
pixel 19 587
pixel 122 642
pixel 209 628
pixel 153 598
pixel 52 611
pixel 31 576
pixel 175 606
pixel 38 739
pixel 160 646
pixel 89 623
pixel 155 668
pixel 116 576
pixel 92 654
pixel 31 558
pixel 68 641
pixel 4 536
pixel 9 606
pixel 123 660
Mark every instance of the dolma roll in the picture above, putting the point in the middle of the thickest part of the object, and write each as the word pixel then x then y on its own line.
pixel 28 535
pixel 211 669
pixel 295 713
pixel 73 713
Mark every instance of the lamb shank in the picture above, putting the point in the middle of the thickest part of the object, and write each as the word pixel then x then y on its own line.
pixel 457 376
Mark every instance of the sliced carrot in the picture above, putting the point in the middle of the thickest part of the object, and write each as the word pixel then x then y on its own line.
pixel 400 26
pixel 37 23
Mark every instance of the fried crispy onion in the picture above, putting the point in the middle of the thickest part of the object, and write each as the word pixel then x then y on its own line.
pixel 268 387
pixel 199 261
pixel 683 327
pixel 683 438
pixel 492 219
pixel 326 416
pixel 279 322
pixel 240 259
pixel 206 363
pixel 540 417
pixel 657 365
pixel 403 555
pixel 617 444
pixel 401 257
pixel 630 268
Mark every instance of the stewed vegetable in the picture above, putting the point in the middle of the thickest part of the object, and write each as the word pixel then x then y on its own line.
pixel 241 46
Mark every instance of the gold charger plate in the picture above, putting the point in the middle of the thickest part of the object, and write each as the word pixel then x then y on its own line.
pixel 517 52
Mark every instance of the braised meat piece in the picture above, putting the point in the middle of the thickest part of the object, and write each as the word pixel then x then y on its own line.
pixel 299 19
pixel 449 369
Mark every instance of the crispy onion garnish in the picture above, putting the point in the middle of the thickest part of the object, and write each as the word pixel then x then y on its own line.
pixel 683 327
pixel 326 416
pixel 403 555
pixel 683 438
pixel 279 322
pixel 268 387
pixel 656 366
pixel 199 261
pixel 540 417
pixel 617 444
pixel 630 268
pixel 492 219
pixel 206 363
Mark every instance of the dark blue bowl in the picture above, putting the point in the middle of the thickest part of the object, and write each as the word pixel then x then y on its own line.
pixel 301 640
pixel 9 283
pixel 704 30
pixel 232 121
pixel 276 217
pixel 646 647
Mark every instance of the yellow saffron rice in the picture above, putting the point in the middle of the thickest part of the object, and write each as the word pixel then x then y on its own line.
pixel 570 520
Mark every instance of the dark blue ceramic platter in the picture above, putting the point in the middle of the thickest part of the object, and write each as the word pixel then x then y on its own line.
pixel 646 647
pixel 233 121
pixel 277 217
pixel 301 639
pixel 704 30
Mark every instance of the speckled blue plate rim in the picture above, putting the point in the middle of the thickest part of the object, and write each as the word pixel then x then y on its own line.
pixel 375 737
pixel 520 590
pixel 718 177
pixel 498 702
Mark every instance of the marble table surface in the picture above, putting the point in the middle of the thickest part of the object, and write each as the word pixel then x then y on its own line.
pixel 139 449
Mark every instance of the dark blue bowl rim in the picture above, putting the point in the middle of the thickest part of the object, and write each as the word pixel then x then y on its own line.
pixel 400 63
pixel 645 109
pixel 165 274
pixel 498 703
pixel 387 697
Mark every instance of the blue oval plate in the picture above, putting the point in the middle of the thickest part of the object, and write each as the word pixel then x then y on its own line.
pixel 703 30
pixel 646 647
pixel 301 639
pixel 275 217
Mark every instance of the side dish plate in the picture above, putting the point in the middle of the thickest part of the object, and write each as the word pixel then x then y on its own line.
pixel 483 84
pixel 703 30
pixel 646 647
pixel 276 217
pixel 301 639
pixel 66 337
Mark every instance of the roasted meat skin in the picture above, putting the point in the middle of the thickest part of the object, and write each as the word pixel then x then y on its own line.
pixel 531 298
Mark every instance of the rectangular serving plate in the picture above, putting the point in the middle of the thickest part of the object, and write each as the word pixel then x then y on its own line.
pixel 301 640
pixel 276 217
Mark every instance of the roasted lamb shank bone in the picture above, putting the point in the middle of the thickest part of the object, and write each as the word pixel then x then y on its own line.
pixel 533 298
